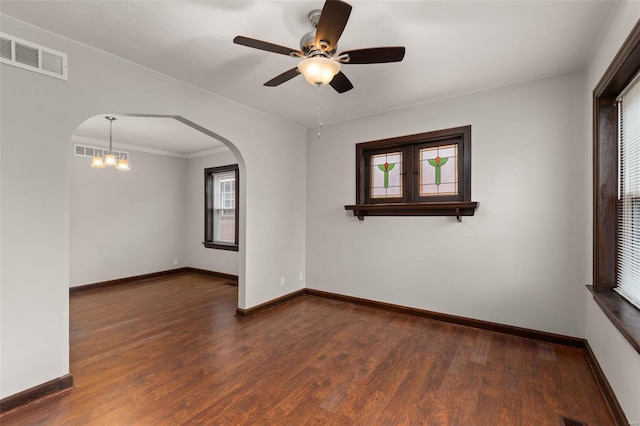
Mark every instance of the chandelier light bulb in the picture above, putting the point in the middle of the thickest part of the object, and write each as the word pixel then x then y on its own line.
pixel 123 164
pixel 110 160
pixel 97 162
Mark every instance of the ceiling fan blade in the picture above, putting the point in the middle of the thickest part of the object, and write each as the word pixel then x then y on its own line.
pixel 265 45
pixel 374 55
pixel 333 19
pixel 284 77
pixel 341 83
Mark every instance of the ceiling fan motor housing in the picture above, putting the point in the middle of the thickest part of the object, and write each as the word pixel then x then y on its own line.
pixel 308 41
pixel 309 48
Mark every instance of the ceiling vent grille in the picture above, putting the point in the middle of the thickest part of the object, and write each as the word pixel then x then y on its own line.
pixel 90 151
pixel 27 55
pixel 30 56
pixel 5 49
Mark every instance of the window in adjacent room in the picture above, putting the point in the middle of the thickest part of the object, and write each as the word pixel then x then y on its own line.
pixel 221 207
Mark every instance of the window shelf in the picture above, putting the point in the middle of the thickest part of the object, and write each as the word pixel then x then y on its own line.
pixel 620 312
pixel 453 208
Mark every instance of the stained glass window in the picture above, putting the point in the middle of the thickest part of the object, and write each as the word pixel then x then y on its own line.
pixel 386 175
pixel 439 171
pixel 429 168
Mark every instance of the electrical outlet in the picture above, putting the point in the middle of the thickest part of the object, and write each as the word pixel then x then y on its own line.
pixel 300 276
pixel 175 261
pixel 282 281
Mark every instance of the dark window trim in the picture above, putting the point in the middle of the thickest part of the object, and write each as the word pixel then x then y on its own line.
pixel 624 316
pixel 411 204
pixel 621 71
pixel 208 201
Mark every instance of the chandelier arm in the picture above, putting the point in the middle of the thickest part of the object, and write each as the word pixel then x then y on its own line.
pixel 110 136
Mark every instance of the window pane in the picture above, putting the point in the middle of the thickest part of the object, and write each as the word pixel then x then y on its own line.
pixel 386 175
pixel 439 171
pixel 220 220
pixel 225 185
pixel 628 273
pixel 225 225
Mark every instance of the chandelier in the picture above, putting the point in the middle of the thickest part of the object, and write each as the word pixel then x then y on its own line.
pixel 109 159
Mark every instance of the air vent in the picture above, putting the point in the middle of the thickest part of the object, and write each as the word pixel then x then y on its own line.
pixel 52 63
pixel 27 55
pixel 90 151
pixel 5 49
pixel 30 56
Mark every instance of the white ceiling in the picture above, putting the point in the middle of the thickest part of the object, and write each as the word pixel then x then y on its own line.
pixel 452 47
pixel 157 135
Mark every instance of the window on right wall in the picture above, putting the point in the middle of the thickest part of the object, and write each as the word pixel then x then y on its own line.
pixel 616 191
pixel 628 269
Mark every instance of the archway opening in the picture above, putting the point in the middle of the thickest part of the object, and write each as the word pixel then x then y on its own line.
pixel 149 219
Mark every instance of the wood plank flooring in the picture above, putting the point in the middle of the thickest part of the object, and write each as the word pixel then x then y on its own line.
pixel 170 351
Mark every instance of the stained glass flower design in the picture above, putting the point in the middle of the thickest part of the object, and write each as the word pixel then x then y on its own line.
pixel 439 170
pixel 386 175
pixel 438 163
pixel 386 168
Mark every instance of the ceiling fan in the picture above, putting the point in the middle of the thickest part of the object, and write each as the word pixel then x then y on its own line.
pixel 320 64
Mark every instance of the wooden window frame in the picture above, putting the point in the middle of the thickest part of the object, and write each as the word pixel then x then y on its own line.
pixel 209 216
pixel 411 203
pixel 621 71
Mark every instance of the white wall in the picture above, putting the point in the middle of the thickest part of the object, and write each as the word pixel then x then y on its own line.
pixel 618 359
pixel 198 256
pixel 124 224
pixel 39 115
pixel 514 262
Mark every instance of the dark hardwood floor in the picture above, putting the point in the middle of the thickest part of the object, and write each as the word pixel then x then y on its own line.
pixel 170 351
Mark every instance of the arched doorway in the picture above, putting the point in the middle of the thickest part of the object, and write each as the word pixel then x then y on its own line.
pixel 148 219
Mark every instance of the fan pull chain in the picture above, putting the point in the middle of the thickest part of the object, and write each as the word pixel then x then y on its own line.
pixel 318 109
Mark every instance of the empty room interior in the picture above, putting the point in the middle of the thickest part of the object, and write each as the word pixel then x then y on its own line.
pixel 437 223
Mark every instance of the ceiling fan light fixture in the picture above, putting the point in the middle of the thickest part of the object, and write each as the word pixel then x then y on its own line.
pixel 319 70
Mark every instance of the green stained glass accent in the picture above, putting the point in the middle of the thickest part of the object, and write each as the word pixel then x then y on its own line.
pixel 438 163
pixel 386 168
